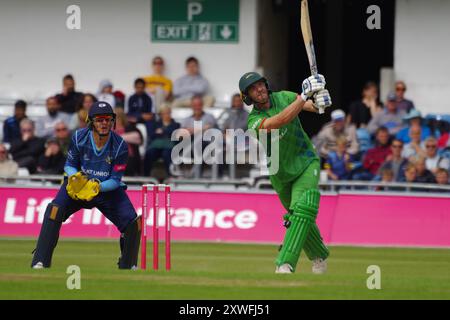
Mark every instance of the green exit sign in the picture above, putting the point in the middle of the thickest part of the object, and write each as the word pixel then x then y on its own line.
pixel 195 21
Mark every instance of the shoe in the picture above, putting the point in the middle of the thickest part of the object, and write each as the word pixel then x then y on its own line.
pixel 284 268
pixel 38 265
pixel 319 266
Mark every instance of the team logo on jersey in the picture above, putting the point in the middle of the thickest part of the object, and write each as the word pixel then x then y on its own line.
pixel 108 160
pixel 86 157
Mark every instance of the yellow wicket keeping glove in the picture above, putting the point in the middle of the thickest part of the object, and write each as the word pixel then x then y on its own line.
pixel 75 184
pixel 89 191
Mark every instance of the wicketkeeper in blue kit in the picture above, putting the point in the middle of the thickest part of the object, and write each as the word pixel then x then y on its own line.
pixel 95 164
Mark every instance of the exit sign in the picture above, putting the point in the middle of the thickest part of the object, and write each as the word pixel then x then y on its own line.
pixel 195 21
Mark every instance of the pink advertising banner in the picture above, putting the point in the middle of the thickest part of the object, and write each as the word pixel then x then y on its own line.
pixel 353 219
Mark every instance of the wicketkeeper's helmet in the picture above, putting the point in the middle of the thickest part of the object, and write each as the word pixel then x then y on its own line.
pixel 100 108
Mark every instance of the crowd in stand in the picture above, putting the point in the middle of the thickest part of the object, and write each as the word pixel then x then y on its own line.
pixel 390 143
pixel 41 146
pixel 373 141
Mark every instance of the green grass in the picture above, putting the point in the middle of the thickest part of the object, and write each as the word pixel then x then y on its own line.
pixel 223 271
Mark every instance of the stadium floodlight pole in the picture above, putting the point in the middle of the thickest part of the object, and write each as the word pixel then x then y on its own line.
pixel 144 228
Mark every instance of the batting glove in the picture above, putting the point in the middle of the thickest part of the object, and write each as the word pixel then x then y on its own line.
pixel 312 85
pixel 322 99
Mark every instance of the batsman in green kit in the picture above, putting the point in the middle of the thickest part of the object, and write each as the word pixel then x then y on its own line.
pixel 297 176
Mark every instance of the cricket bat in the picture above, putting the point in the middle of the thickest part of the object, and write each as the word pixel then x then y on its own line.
pixel 308 39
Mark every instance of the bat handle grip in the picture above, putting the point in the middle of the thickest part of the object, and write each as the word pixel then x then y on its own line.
pixel 321 110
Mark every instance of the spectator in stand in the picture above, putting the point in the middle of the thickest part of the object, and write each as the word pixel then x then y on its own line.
pixel 11 126
pixel 364 142
pixel 27 149
pixel 339 163
pixel 157 84
pixel 395 162
pixel 105 92
pixel 390 118
pixel 52 160
pixel 442 176
pixel 433 161
pixel 328 135
pixel 236 116
pixel 444 129
pixel 45 126
pixel 78 120
pixel 415 147
pixel 403 104
pixel 233 123
pixel 140 104
pixel 387 175
pixel 81 117
pixel 375 157
pixel 410 175
pixel 413 118
pixel 120 99
pixel 8 167
pixel 62 135
pixel 423 174
pixel 69 99
pixel 362 111
pixel 207 120
pixel 193 83
pixel 160 143
pixel 133 137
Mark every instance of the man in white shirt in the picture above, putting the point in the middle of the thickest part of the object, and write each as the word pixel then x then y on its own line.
pixel 45 126
pixel 433 161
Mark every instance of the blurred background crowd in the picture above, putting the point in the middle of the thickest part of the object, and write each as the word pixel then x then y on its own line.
pixel 377 139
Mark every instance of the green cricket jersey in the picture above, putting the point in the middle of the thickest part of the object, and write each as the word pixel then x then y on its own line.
pixel 296 151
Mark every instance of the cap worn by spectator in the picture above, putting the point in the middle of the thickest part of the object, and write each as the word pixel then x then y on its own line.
pixel 412 115
pixel 391 97
pixel 337 115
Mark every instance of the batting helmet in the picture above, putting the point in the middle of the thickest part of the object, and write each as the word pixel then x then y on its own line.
pixel 246 81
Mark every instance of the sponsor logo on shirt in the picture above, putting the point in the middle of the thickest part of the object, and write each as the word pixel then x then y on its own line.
pixel 96 173
pixel 119 167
